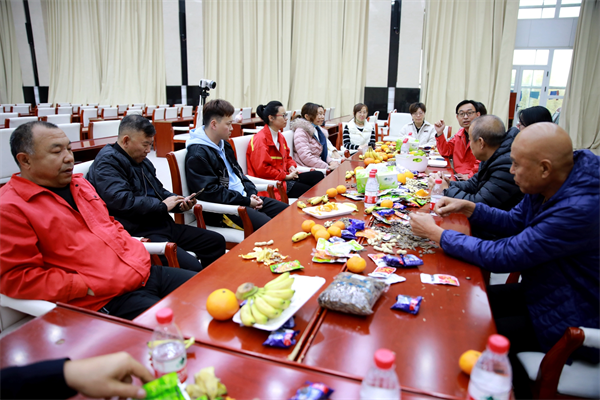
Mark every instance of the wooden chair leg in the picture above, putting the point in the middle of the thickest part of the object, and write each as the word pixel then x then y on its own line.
pixel 247 224
pixel 199 218
pixel 282 192
pixel 271 191
pixel 171 255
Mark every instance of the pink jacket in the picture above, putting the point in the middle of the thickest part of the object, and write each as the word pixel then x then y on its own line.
pixel 307 149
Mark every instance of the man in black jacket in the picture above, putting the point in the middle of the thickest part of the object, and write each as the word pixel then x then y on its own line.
pixel 126 180
pixel 211 165
pixel 493 184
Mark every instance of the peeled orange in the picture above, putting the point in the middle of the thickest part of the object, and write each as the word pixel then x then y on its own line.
pixel 387 203
pixel 356 264
pixel 315 228
pixel 222 304
pixel 334 231
pixel 322 233
pixel 467 360
pixel 341 189
pixel 332 192
pixel 306 225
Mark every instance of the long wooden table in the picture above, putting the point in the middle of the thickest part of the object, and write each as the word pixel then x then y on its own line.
pixel 238 127
pixel 86 150
pixel 163 141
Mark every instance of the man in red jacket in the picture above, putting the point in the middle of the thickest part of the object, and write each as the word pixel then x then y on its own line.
pixel 465 163
pixel 57 241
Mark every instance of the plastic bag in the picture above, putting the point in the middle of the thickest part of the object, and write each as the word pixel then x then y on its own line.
pixel 352 293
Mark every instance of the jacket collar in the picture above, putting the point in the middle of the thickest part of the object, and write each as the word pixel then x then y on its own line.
pixel 123 152
pixel 26 189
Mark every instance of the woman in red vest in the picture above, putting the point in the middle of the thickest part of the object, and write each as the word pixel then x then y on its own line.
pixel 268 155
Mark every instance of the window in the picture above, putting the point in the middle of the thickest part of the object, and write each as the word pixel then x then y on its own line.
pixel 543 9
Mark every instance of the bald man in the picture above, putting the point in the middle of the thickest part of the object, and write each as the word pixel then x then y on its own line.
pixel 552 237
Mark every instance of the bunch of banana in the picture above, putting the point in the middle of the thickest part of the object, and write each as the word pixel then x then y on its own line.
pixel 349 174
pixel 301 204
pixel 370 153
pixel 267 302
pixel 300 236
pixel 318 199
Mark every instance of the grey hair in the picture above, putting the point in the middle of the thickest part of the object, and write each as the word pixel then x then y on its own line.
pixel 490 128
pixel 21 140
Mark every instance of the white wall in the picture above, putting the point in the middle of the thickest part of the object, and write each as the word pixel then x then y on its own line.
pixel 171 42
pixel 411 39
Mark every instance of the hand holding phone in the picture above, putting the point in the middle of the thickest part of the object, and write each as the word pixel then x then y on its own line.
pixel 193 195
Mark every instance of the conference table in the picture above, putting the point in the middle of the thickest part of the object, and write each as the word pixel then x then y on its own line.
pixel 86 150
pixel 163 140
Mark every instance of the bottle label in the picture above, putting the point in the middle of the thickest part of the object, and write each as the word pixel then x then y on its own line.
pixel 174 365
pixel 486 385
pixel 370 199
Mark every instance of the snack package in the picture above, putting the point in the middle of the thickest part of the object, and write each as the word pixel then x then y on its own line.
pixel 289 324
pixel 382 272
pixel 348 234
pixel 440 279
pixel 285 266
pixel 166 387
pixel 283 338
pixel 327 252
pixel 357 224
pixel 410 260
pixel 408 304
pixel 352 293
pixel 313 391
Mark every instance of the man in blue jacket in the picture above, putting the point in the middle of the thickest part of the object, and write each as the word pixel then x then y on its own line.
pixel 552 237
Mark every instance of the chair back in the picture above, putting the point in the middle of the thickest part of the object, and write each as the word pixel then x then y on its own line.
pixel 176 161
pixel 72 130
pixel 75 108
pixel 163 106
pixel 110 112
pixel 8 165
pixel 187 111
pixel 86 114
pixel 121 108
pixel 82 168
pixel 158 114
pixel 59 119
pixel 87 108
pixel 20 109
pixel 340 137
pixel 139 105
pixel 102 129
pixel 289 138
pixel 149 109
pixel 5 116
pixel 95 105
pixel 102 107
pixel 246 112
pixel 240 146
pixel 448 131
pixel 43 105
pixel 63 104
pixel 41 112
pixel 170 113
pixel 397 121
pixel 332 113
pixel 288 115
pixel 134 111
pixel 15 122
pixel 5 108
pixel 65 110
pixel 373 118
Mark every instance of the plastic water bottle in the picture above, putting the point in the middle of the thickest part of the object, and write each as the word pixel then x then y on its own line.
pixel 381 381
pixel 491 377
pixel 436 193
pixel 170 354
pixel 405 147
pixel 371 189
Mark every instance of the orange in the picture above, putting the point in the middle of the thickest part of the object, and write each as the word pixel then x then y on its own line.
pixel 341 189
pixel 358 168
pixel 402 178
pixel 322 233
pixel 387 203
pixel 368 161
pixel 377 161
pixel 222 304
pixel 467 360
pixel 332 192
pixel 409 174
pixel 422 193
pixel 356 264
pixel 306 225
pixel 334 231
pixel 339 224
pixel 315 228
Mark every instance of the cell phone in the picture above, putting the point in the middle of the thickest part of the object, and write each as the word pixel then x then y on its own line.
pixel 193 195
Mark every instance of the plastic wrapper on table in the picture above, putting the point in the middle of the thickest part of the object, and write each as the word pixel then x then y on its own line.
pixel 352 294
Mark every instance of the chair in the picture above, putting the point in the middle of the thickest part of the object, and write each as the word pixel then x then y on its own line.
pixel 373 118
pixel 63 104
pixel 289 138
pixel 332 113
pixel 246 112
pixel 72 130
pixel 240 146
pixel 121 108
pixel 102 107
pixel 41 105
pixel 171 113
pixel 158 114
pixel 68 110
pixel 176 161
pixel 87 108
pixel 150 109
pixel 5 108
pixel 85 115
pixel 553 378
pixel 8 165
pixel 75 108
pixel 59 118
pixel 5 116
pixel 397 121
pixel 185 136
pixel 20 110
pixel 187 111
pixel 40 112
pixel 109 112
pixel 135 111
pixel 163 106
pixel 15 122
pixel 102 129
pixel 138 105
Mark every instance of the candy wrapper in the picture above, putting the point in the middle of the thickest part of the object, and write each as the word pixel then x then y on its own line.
pixel 285 266
pixel 399 261
pixel 391 217
pixel 440 279
pixel 410 260
pixel 349 234
pixel 382 272
pixel 283 338
pixel 357 224
pixel 289 324
pixel 327 252
pixel 408 304
pixel 313 391
pixel 352 293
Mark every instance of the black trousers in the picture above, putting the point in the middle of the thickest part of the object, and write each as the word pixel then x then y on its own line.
pixel 305 181
pixel 513 321
pixel 161 282
pixel 270 209
pixel 207 245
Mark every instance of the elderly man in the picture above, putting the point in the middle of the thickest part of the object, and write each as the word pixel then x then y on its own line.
pixel 493 184
pixel 552 237
pixel 57 241
pixel 465 163
pixel 126 180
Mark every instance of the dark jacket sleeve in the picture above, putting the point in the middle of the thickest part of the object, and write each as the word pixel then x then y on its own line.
pixel 110 178
pixel 201 172
pixel 42 380
pixel 458 189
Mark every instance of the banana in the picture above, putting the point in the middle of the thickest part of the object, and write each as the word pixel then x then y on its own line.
pixel 300 236
pixel 245 290
pixel 265 308
pixel 259 317
pixel 276 302
pixel 351 205
pixel 315 200
pixel 325 199
pixel 285 294
pixel 187 342
pixel 284 284
pixel 280 278
pixel 246 315
pixel 348 175
pixel 361 157
pixel 369 210
pixel 301 204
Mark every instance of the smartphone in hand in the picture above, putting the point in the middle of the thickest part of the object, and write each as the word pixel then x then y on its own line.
pixel 193 195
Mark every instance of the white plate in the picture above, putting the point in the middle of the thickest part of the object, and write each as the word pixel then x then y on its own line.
pixel 437 162
pixel 342 210
pixel 305 287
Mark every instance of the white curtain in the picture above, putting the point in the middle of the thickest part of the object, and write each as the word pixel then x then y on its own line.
pixel 467 54
pixel 107 52
pixel 11 83
pixel 292 51
pixel 579 115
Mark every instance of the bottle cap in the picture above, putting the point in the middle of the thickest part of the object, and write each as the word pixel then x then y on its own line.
pixel 385 358
pixel 498 344
pixel 373 173
pixel 438 181
pixel 405 140
pixel 164 316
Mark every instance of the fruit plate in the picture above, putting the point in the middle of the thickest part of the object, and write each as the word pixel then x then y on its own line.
pixel 342 210
pixel 305 287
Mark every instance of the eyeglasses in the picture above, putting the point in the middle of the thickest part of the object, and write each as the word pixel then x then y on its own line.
pixel 282 115
pixel 468 113
pixel 418 114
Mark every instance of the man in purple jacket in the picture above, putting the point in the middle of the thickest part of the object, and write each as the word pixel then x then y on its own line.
pixel 551 237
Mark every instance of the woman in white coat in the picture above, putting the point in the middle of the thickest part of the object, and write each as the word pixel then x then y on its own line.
pixel 359 132
pixel 420 129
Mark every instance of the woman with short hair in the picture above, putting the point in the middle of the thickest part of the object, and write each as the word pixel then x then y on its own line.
pixel 420 129
pixel 359 132
pixel 533 115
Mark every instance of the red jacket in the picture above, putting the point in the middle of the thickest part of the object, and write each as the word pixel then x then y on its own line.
pixel 458 148
pixel 265 161
pixel 49 251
